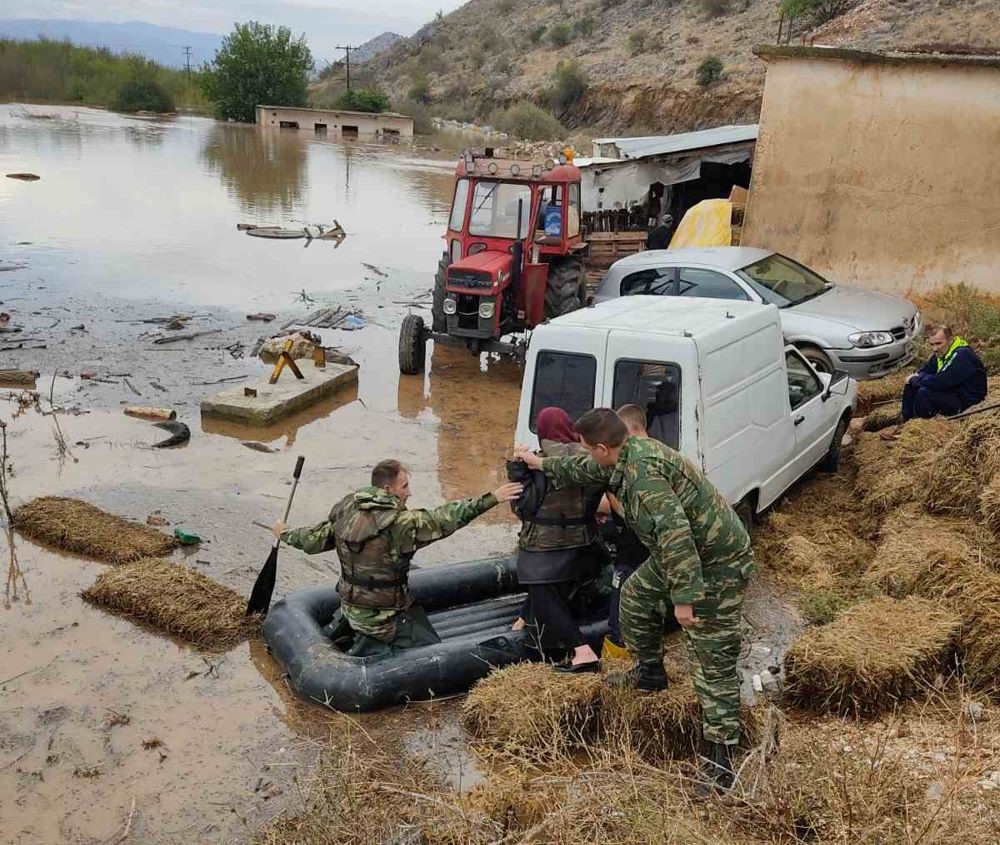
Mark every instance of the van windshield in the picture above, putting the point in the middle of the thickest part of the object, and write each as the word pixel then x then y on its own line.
pixel 783 282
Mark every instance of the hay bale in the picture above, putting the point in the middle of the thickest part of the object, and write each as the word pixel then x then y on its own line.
pixel 878 391
pixel 76 526
pixel 875 655
pixel 883 417
pixel 989 505
pixel 175 600
pixel 955 478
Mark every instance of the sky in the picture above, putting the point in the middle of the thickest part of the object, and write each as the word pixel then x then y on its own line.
pixel 324 22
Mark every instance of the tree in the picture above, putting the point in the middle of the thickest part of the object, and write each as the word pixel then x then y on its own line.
pixel 709 71
pixel 363 99
pixel 257 64
pixel 820 11
pixel 569 84
pixel 143 93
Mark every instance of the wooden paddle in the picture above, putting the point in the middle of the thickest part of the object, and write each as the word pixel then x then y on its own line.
pixel 263 588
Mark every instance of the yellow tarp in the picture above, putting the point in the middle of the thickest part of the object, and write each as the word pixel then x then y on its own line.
pixel 709 223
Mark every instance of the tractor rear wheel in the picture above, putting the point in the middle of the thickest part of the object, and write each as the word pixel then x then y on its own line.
pixel 567 287
pixel 439 322
pixel 412 345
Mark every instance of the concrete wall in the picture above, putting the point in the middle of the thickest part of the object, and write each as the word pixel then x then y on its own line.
pixel 332 123
pixel 883 173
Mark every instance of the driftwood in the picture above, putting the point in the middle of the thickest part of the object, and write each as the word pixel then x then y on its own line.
pixel 189 336
pixel 146 413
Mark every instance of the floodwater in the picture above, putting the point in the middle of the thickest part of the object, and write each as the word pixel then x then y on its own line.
pixel 106 727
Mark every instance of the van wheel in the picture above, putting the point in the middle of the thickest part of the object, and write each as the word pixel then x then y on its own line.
pixel 747 513
pixel 819 360
pixel 412 345
pixel 831 460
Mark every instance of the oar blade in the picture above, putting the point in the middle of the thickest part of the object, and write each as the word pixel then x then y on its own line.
pixel 263 588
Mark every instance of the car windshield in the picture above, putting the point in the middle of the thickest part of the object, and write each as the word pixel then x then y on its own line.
pixel 495 210
pixel 783 282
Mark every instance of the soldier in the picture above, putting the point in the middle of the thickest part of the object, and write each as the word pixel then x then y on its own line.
pixel 375 537
pixel 699 563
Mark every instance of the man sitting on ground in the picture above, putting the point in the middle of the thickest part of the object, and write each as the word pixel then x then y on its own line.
pixel 953 380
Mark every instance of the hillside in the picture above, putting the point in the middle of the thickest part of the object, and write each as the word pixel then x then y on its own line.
pixel 379 44
pixel 641 57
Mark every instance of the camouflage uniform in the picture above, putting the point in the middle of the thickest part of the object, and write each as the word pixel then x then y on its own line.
pixel 699 554
pixel 399 531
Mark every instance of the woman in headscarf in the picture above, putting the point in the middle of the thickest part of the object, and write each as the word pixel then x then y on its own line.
pixel 556 549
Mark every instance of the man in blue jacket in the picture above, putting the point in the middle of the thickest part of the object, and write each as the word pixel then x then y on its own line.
pixel 952 380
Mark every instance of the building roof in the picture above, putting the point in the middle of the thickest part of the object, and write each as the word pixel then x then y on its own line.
pixel 336 111
pixel 770 52
pixel 654 145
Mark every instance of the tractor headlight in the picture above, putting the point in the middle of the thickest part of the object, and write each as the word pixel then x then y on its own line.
pixel 450 307
pixel 487 310
pixel 867 340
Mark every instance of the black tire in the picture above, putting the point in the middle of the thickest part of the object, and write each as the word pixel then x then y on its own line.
pixel 567 287
pixel 412 345
pixel 439 321
pixel 747 513
pixel 819 360
pixel 831 460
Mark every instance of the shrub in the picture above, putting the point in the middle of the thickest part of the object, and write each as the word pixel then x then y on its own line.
pixel 363 99
pixel 528 121
pixel 420 90
pixel 422 123
pixel 820 11
pixel 820 607
pixel 536 35
pixel 570 82
pixel 477 57
pixel 716 8
pixel 143 94
pixel 709 71
pixel 505 7
pixel 560 35
pixel 585 26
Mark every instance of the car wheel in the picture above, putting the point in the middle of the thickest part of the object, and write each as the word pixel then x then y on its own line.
pixel 819 360
pixel 831 460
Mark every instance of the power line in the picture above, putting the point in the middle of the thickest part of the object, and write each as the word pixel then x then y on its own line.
pixel 347 53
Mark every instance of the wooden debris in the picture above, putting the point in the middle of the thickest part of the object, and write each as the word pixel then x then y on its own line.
pixel 144 412
pixel 18 377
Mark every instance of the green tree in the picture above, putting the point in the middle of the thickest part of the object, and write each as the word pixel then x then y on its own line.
pixel 257 64
pixel 143 94
pixel 819 11
pixel 528 121
pixel 560 35
pixel 363 99
pixel 569 84
pixel 709 71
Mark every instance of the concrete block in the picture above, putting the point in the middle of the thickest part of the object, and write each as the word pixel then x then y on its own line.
pixel 274 401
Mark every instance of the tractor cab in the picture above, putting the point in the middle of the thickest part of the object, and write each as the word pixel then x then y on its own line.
pixel 514 255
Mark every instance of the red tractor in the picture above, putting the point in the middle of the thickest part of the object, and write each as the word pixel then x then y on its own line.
pixel 514 257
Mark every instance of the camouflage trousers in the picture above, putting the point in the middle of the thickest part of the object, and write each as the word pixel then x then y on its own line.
pixel 713 644
pixel 376 623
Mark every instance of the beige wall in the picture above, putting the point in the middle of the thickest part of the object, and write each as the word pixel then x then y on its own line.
pixel 887 175
pixel 368 125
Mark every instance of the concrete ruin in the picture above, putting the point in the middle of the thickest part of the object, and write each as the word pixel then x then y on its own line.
pixel 346 125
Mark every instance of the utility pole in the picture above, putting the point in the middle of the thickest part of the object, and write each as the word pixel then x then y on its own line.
pixel 347 53
pixel 187 61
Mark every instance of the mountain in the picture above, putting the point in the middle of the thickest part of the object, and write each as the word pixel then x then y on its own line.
pixel 159 43
pixel 640 58
pixel 379 44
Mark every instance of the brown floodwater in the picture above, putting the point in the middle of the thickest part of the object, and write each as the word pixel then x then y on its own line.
pixel 106 726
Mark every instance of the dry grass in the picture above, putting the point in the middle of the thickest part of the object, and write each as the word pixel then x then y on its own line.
pixel 960 470
pixel 872 394
pixel 175 600
pixel 989 505
pixel 874 656
pixel 80 527
pixel 883 417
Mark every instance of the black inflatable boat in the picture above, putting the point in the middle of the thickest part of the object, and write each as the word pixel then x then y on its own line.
pixel 471 606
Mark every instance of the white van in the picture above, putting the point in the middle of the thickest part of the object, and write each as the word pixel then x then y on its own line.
pixel 715 378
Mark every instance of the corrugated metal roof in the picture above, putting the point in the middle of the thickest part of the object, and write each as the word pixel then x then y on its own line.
pixel 654 145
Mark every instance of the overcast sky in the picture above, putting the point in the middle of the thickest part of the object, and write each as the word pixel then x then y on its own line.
pixel 323 21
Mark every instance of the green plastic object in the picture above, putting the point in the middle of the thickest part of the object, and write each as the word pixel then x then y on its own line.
pixel 185 538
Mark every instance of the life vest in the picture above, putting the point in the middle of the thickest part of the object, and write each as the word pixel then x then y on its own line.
pixel 374 573
pixel 565 519
pixel 949 356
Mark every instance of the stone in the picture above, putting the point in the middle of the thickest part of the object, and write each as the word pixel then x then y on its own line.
pixel 974 710
pixel 274 401
pixel 935 792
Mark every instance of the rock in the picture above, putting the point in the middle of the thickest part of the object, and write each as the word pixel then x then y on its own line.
pixel 935 792
pixel 156 520
pixel 769 682
pixel 303 345
pixel 758 684
pixel 974 710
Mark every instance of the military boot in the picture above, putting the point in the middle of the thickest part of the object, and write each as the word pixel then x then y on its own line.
pixel 715 771
pixel 645 677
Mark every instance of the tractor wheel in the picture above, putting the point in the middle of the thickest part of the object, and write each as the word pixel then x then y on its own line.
pixel 437 304
pixel 412 345
pixel 567 287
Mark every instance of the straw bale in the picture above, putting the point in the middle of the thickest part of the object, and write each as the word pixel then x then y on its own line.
pixel 877 391
pixel 883 417
pixel 175 600
pixel 961 469
pixel 872 657
pixel 76 526
pixel 989 505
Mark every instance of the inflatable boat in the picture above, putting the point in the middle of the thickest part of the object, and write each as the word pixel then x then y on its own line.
pixel 471 606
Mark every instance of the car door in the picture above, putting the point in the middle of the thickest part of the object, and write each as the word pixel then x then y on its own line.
pixel 810 415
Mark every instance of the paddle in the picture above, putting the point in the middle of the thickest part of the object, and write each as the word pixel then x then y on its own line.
pixel 263 588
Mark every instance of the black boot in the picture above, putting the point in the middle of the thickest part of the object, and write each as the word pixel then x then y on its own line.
pixel 645 677
pixel 715 772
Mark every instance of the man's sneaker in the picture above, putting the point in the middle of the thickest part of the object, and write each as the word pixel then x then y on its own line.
pixel 715 771
pixel 645 677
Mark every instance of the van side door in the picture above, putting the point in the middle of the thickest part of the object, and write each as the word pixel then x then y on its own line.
pixel 811 417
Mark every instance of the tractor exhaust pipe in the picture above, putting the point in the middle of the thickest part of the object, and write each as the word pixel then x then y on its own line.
pixel 517 253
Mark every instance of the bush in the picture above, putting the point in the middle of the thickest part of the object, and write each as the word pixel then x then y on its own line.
pixel 585 26
pixel 528 121
pixel 560 35
pixel 143 95
pixel 363 99
pixel 709 71
pixel 570 82
pixel 420 90
pixel 716 8
pixel 819 11
pixel 537 34
pixel 422 123
pixel 820 606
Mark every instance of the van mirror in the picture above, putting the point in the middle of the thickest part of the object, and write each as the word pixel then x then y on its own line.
pixel 839 379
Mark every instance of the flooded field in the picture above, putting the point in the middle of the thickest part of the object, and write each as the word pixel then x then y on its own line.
pixel 105 726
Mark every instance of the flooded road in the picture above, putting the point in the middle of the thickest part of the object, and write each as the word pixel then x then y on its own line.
pixel 106 726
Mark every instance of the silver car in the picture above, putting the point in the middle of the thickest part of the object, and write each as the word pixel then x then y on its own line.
pixel 868 334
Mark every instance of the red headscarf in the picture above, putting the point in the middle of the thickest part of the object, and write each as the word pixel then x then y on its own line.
pixel 555 424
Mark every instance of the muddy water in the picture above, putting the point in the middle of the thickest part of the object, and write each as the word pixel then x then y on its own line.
pixel 135 219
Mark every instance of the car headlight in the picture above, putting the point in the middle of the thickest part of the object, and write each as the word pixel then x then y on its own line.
pixel 487 310
pixel 450 306
pixel 866 340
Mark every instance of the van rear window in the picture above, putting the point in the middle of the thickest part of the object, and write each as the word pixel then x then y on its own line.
pixel 656 388
pixel 563 380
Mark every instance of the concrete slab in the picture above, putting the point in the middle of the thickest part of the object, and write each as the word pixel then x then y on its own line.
pixel 274 401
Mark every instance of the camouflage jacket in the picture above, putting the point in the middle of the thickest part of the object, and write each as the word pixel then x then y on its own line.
pixel 684 521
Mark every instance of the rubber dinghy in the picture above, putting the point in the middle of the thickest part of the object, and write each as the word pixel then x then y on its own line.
pixel 471 606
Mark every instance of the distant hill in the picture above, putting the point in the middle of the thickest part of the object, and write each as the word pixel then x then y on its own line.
pixel 164 45
pixel 379 44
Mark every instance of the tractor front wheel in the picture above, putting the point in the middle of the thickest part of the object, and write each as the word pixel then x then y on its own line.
pixel 412 345
pixel 439 321
pixel 567 287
